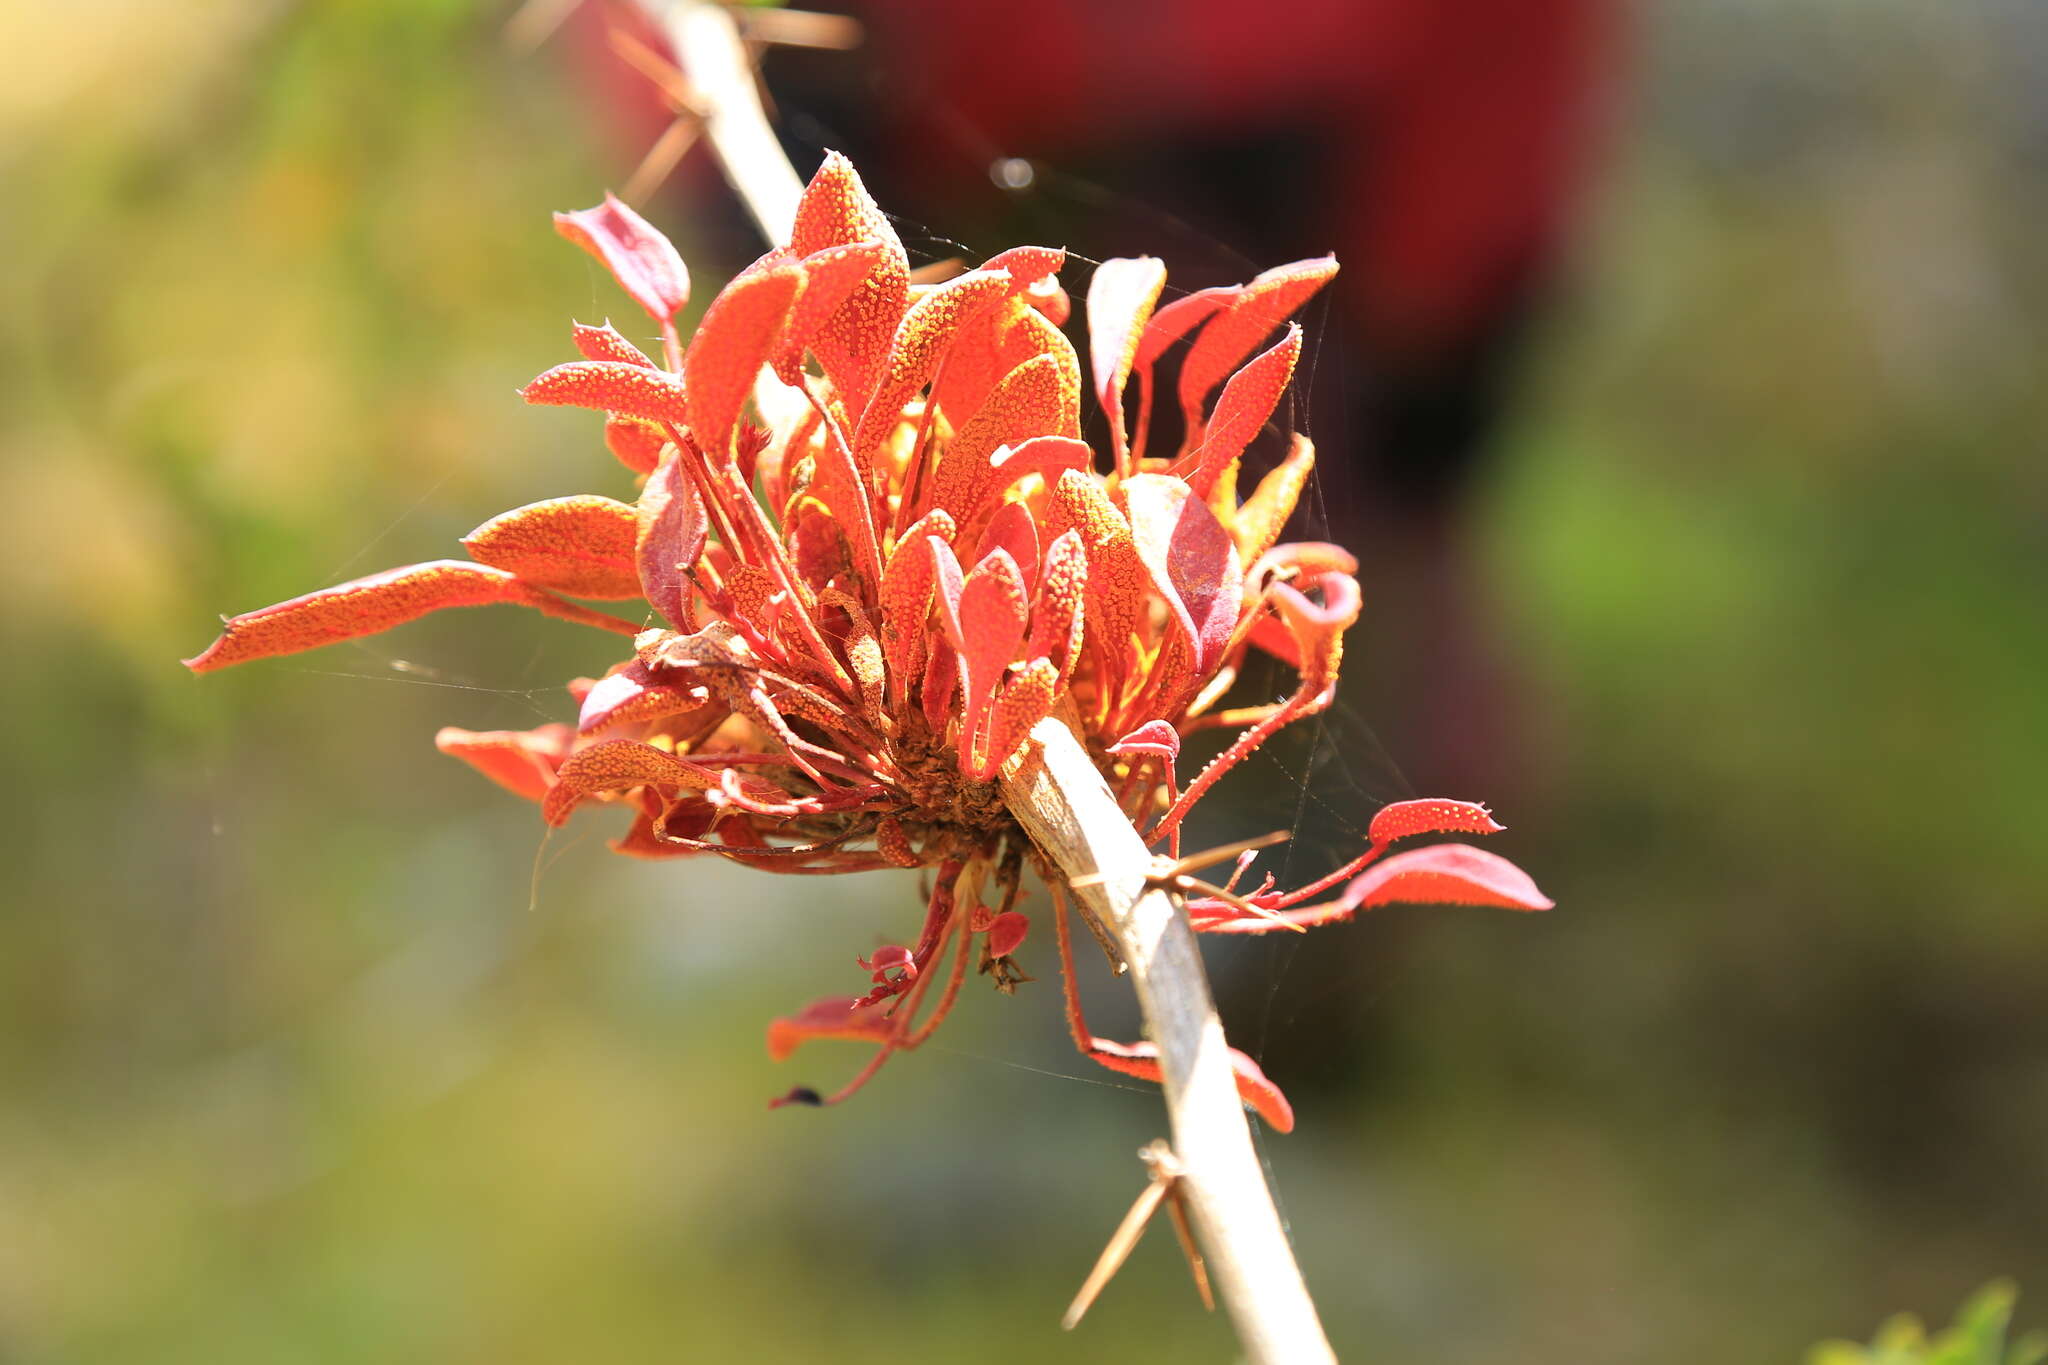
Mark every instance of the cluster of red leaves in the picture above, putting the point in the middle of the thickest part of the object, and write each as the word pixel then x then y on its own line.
pixel 877 552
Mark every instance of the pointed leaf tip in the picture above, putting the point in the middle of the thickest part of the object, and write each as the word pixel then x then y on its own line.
pixel 643 261
pixel 366 606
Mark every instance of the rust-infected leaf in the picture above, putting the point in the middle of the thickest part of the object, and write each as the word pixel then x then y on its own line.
pixel 1057 622
pixel 1247 320
pixel 736 338
pixel 633 694
pixel 1405 819
pixel 836 210
pixel 1248 401
pixel 581 545
pixel 920 343
pixel 618 764
pixel 605 343
pixel 614 386
pixel 1117 577
pixel 369 605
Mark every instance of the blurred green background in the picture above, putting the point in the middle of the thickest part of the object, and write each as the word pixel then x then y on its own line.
pixel 312 1049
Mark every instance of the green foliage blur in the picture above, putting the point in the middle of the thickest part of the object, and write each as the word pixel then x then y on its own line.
pixel 1976 1338
pixel 313 1049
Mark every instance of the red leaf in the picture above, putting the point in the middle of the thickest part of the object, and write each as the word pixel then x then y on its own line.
pixel 644 263
pixel 669 538
pixel 1013 529
pixel 1006 933
pixel 736 337
pixel 1258 308
pixel 1442 874
pixel 366 606
pixel 612 386
pixel 1141 1060
pixel 580 545
pixel 985 618
pixel 523 762
pixel 1192 560
pixel 1404 819
pixel 1445 874
pixel 1248 400
pixel 1121 296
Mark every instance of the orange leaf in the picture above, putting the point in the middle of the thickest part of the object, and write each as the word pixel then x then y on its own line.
pixel 836 1017
pixel 836 210
pixel 1116 575
pixel 1029 401
pixel 377 603
pixel 734 340
pixel 906 598
pixel 830 277
pixel 616 764
pixel 612 386
pixel 637 444
pixel 1262 517
pixel 644 263
pixel 523 762
pixel 1056 616
pixel 580 545
pixel 920 343
pixel 605 343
